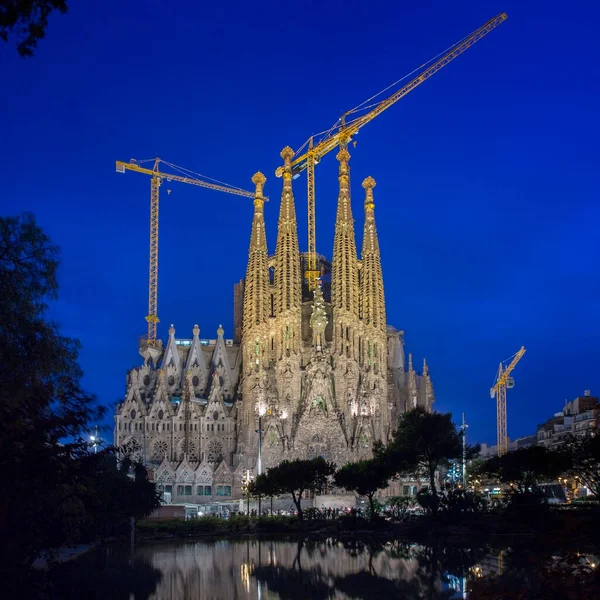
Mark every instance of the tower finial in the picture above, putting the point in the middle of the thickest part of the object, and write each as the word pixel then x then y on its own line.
pixel 172 329
pixel 343 155
pixel 287 154
pixel 369 184
pixel 259 181
pixel 196 331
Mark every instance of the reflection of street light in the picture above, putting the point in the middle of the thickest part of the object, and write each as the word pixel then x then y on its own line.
pixel 246 479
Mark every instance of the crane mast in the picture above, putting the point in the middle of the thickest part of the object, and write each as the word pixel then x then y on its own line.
pixel 156 179
pixel 498 391
pixel 341 134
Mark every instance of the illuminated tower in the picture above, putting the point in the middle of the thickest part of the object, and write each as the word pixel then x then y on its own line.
pixel 344 269
pixel 255 323
pixel 257 299
pixel 372 303
pixel 287 277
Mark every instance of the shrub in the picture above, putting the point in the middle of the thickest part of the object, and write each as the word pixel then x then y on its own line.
pixel 277 524
pixel 427 501
pixel 527 505
pixel 455 503
pixel 352 522
pixel 377 509
pixel 399 506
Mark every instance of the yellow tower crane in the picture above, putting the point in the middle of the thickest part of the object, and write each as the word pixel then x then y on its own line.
pixel 156 180
pixel 498 391
pixel 343 131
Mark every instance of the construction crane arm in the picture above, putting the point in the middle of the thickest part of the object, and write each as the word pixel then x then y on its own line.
pixel 503 375
pixel 512 365
pixel 122 166
pixel 345 131
pixel 155 183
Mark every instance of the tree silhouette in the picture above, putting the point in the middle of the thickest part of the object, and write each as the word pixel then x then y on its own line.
pixel 27 20
pixel 364 477
pixel 298 476
pixel 422 443
pixel 53 490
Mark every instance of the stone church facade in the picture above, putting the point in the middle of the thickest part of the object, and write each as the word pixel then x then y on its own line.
pixel 321 368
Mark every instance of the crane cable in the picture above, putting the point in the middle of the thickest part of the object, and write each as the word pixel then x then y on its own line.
pixel 361 107
pixel 194 175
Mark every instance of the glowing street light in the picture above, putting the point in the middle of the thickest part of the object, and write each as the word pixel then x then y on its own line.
pixel 95 439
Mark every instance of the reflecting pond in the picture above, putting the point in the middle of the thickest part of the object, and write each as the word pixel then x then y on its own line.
pixel 253 569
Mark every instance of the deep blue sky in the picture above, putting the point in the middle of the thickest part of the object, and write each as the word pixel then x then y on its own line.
pixel 487 187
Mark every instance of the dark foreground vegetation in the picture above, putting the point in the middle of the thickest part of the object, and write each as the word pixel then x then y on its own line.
pixel 55 490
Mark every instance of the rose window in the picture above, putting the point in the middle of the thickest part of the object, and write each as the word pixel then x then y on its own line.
pixel 214 451
pixel 192 453
pixel 159 449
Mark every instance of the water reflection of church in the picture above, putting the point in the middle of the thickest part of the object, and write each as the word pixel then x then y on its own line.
pixel 323 369
pixel 255 570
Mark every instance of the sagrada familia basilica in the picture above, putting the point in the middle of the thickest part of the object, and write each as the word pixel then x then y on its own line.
pixel 322 369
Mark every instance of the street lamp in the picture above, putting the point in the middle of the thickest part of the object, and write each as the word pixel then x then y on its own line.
pixel 463 428
pixel 94 439
pixel 261 412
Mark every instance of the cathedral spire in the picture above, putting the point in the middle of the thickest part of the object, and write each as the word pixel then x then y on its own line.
pixel 256 289
pixel 372 302
pixel 288 280
pixel 412 400
pixel 344 271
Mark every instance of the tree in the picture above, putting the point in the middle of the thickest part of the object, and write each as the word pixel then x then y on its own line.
pixel 27 20
pixel 264 486
pixel 44 413
pixel 298 476
pixel 364 477
pixel 583 454
pixel 523 469
pixel 422 443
